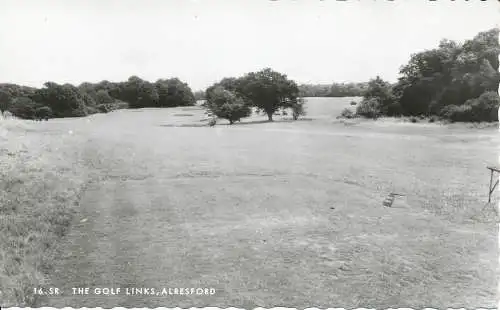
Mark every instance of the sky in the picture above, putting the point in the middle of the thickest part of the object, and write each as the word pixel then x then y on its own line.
pixel 203 41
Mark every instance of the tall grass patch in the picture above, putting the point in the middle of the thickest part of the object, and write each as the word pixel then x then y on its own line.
pixel 38 191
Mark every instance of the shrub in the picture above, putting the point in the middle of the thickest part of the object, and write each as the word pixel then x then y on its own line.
pixel 92 110
pixel 347 113
pixel 103 108
pixel 457 113
pixel 382 91
pixel 413 119
pixel 353 103
pixel 226 104
pixel 369 108
pixel 108 107
pixel 484 108
pixel 298 108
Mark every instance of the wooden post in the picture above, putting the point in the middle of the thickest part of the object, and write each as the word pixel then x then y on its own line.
pixel 489 190
pixel 492 185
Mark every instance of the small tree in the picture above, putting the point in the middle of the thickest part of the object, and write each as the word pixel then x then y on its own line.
pixel 225 104
pixel 381 91
pixel 298 108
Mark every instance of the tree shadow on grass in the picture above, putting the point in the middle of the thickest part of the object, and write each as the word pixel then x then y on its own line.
pixel 182 114
pixel 184 125
pixel 226 123
pixel 273 121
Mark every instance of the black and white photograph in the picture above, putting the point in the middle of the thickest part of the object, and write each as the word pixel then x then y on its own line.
pixel 249 154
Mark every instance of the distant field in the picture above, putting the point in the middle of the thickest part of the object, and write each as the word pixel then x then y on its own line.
pixel 269 214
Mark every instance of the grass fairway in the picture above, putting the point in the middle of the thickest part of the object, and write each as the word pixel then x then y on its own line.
pixel 268 214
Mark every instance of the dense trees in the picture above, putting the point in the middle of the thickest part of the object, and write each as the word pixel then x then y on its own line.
pixel 55 100
pixel 5 100
pixel 64 100
pixel 333 90
pixel 173 93
pixel 10 92
pixel 266 90
pixel 458 82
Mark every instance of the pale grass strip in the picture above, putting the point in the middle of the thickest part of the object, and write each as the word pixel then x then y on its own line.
pixel 234 308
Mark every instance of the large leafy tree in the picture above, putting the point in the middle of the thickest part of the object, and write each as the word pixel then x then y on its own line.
pixel 268 90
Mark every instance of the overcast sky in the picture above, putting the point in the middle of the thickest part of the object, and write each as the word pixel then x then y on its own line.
pixel 202 41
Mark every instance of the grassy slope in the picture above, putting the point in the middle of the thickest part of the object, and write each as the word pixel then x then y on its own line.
pixel 427 251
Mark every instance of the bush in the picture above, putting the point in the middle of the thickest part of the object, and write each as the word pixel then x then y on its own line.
pixel 369 108
pixel 92 110
pixel 347 113
pixel 457 113
pixel 482 109
pixel 298 108
pixel 108 107
pixel 382 91
pixel 353 103
pixel 103 108
pixel 485 108
pixel 413 119
pixel 226 104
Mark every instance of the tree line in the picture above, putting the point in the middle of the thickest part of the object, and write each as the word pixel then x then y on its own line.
pixel 66 100
pixel 455 81
pixel 333 90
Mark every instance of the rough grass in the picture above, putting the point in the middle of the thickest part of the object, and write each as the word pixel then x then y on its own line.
pixel 39 182
pixel 270 214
